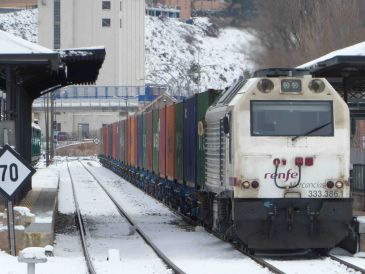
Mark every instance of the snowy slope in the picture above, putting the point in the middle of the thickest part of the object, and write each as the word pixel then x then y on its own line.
pixel 185 57
pixel 174 49
pixel 22 23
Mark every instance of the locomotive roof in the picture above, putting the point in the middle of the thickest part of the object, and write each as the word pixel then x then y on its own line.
pixel 280 72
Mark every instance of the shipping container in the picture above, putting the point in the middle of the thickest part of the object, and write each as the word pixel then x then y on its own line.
pixel 122 140
pixel 134 141
pixel 118 141
pixel 149 140
pixel 140 139
pixel 127 143
pixel 162 143
pixel 144 132
pixel 114 141
pixel 179 128
pixel 155 144
pixel 110 141
pixel 190 140
pixel 204 100
pixel 170 138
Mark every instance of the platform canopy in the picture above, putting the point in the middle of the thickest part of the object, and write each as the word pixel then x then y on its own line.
pixel 39 69
pixel 28 71
pixel 345 70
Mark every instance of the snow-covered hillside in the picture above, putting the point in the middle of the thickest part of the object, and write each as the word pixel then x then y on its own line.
pixel 22 23
pixel 186 57
pixel 190 57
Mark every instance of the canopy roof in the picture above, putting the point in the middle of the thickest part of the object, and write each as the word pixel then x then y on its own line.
pixel 40 69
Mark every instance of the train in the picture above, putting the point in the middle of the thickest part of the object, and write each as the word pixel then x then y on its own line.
pixel 36 143
pixel 264 163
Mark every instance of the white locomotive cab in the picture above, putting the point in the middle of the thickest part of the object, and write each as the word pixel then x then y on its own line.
pixel 288 138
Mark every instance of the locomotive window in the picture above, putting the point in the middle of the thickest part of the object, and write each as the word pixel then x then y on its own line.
pixel 291 118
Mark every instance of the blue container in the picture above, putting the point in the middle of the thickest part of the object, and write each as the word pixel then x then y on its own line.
pixel 140 140
pixel 190 140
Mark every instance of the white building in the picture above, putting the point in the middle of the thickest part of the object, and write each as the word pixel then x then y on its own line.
pixel 116 24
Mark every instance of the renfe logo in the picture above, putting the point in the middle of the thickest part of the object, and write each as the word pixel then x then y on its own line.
pixel 290 174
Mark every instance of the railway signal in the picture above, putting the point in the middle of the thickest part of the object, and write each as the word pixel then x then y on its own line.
pixel 14 171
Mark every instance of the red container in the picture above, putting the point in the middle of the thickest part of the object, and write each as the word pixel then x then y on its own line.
pixel 106 142
pixel 133 140
pixel 149 140
pixel 170 144
pixel 102 143
pixel 162 143
pixel 114 141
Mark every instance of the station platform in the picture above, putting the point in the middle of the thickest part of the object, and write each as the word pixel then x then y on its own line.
pixel 35 215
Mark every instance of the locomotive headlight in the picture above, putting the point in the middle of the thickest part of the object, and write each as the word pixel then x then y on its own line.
pixel 316 85
pixel 339 184
pixel 246 184
pixel 265 85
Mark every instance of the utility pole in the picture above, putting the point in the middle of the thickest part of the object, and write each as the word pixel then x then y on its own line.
pixel 46 110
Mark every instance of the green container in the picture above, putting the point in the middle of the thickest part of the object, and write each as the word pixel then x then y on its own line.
pixel 205 99
pixel 144 141
pixel 179 165
pixel 155 144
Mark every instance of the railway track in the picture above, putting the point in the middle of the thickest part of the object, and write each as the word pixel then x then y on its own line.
pixel 265 262
pixel 123 213
pixel 81 226
pixel 347 264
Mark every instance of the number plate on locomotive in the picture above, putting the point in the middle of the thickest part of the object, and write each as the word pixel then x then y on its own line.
pixel 324 193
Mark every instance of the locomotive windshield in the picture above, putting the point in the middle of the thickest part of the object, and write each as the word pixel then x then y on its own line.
pixel 291 118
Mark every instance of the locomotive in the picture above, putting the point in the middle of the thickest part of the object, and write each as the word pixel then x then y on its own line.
pixel 264 163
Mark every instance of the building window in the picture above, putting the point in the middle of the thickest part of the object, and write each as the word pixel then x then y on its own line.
pixel 106 5
pixel 105 22
pixel 57 24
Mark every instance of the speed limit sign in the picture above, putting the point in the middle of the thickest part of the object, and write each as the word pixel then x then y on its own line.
pixel 14 171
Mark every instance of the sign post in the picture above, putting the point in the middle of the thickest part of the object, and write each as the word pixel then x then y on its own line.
pixel 14 172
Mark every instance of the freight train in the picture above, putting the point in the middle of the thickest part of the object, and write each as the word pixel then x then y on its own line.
pixel 264 163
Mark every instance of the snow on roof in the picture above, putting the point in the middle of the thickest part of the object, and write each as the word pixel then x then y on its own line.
pixel 357 49
pixel 10 44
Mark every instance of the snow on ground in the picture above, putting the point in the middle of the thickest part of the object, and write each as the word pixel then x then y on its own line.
pixel 191 249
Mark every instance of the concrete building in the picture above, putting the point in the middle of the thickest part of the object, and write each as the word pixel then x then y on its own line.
pixel 117 25
pixel 184 6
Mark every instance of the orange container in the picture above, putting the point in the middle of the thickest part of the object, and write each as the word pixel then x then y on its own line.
pixel 170 142
pixel 127 138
